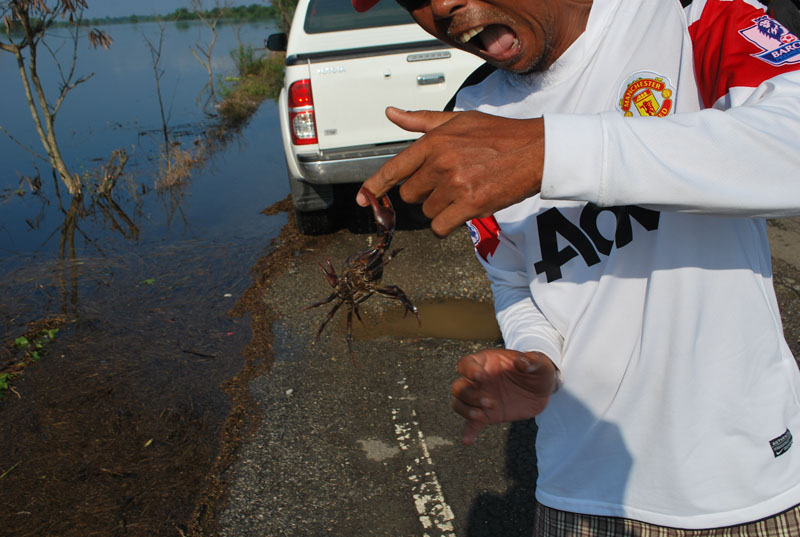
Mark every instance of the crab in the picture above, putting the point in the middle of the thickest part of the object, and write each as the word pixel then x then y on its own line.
pixel 361 274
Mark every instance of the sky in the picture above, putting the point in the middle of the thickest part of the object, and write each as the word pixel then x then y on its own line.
pixel 122 8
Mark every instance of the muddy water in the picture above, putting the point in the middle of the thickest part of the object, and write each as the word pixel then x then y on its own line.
pixel 115 429
pixel 445 319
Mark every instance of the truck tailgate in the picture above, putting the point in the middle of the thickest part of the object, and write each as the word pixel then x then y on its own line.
pixel 345 86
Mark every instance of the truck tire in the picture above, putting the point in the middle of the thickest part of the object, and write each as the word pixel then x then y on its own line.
pixel 319 222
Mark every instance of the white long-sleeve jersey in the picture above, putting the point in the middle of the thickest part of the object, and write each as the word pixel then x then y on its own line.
pixel 680 128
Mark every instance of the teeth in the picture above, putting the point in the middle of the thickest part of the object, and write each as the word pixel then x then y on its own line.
pixel 466 36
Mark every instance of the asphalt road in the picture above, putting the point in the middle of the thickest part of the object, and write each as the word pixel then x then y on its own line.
pixel 373 449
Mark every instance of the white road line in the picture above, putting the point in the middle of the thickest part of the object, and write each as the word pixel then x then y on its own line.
pixel 434 513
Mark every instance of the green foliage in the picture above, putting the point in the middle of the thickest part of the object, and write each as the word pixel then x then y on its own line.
pixel 253 12
pixel 244 60
pixel 181 14
pixel 284 11
pixel 258 75
pixel 259 78
pixel 31 348
pixel 36 346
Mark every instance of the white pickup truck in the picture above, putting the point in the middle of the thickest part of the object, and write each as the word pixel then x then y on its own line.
pixel 342 70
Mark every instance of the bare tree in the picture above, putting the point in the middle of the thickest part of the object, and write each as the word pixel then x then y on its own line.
pixel 202 52
pixel 155 55
pixel 26 23
pixel 175 162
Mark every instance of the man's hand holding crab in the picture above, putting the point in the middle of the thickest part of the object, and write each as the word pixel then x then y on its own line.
pixel 466 165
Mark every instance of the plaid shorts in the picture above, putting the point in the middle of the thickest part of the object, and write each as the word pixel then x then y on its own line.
pixel 555 523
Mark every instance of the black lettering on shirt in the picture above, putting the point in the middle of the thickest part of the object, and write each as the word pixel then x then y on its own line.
pixel 586 240
pixel 551 224
pixel 647 219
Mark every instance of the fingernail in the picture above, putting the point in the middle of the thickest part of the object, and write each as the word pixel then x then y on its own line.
pixel 529 366
pixel 361 199
pixel 486 402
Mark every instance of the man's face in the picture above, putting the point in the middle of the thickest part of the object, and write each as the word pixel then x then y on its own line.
pixel 516 35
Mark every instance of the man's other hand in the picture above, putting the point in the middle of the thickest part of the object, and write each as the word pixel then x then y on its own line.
pixel 501 385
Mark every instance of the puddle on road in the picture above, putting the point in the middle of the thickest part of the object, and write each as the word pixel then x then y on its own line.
pixel 446 319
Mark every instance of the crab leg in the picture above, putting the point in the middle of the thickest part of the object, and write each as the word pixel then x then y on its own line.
pixel 392 291
pixel 358 315
pixel 321 302
pixel 327 318
pixel 350 337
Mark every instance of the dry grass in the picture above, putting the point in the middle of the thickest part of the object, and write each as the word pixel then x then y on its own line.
pixel 175 166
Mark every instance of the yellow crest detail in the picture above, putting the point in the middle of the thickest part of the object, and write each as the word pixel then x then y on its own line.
pixel 646 94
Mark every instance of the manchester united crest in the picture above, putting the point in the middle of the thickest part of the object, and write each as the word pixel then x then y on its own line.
pixel 647 94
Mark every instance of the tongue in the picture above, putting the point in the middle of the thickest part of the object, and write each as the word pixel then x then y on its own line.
pixel 497 39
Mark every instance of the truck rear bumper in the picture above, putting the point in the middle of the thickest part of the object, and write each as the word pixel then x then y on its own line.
pixel 351 165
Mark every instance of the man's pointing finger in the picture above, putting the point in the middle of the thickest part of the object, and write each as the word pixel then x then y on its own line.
pixel 399 168
pixel 418 120
pixel 407 162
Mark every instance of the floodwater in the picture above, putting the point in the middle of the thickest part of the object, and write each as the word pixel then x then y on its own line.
pixel 117 108
pixel 217 207
pixel 116 426
pixel 118 422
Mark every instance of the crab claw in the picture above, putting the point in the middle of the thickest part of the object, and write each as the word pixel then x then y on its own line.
pixel 382 210
pixel 329 272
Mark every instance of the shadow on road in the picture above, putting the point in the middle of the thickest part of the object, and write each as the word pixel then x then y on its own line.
pixel 510 514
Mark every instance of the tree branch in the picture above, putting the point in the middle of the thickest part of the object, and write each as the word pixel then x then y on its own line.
pixel 23 146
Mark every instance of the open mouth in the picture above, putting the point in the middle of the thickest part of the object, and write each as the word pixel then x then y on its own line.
pixel 496 40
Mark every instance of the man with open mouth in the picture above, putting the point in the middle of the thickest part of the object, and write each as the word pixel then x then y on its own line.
pixel 614 162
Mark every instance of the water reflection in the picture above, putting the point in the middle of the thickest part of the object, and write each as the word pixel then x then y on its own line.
pixel 118 110
pixel 153 175
pixel 97 203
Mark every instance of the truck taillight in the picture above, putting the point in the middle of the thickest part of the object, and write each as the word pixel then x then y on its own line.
pixel 301 113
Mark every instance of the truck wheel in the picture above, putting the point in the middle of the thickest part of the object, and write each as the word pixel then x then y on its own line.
pixel 315 222
pixel 360 219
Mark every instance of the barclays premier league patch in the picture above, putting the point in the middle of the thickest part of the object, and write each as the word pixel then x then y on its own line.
pixel 778 45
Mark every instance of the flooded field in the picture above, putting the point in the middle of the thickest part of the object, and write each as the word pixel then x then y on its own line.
pixel 118 343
